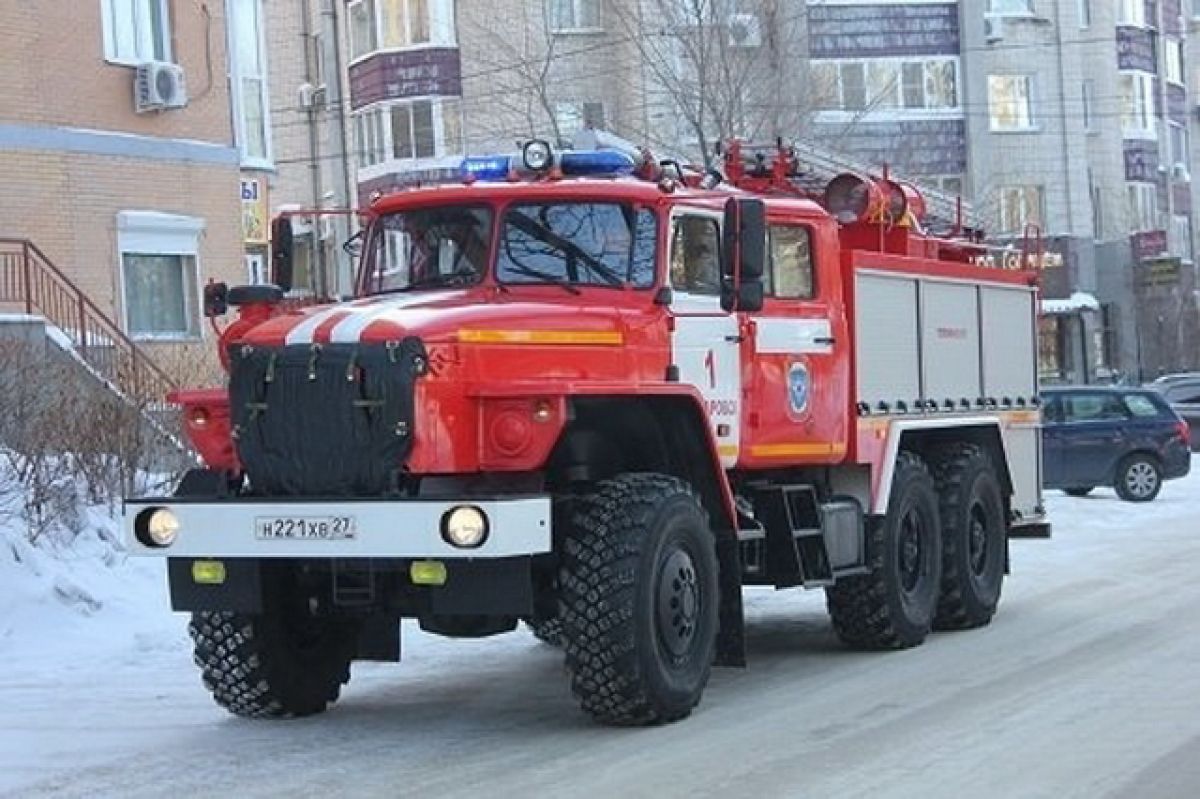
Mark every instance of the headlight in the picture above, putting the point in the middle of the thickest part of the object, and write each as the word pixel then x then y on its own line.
pixel 465 527
pixel 156 527
pixel 538 155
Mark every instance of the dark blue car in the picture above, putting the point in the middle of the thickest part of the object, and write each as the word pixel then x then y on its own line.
pixel 1127 438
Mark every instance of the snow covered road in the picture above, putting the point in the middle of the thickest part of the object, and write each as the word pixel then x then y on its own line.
pixel 1087 684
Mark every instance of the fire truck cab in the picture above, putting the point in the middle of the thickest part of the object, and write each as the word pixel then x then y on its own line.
pixel 601 395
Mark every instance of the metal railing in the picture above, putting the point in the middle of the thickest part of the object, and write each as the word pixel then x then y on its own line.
pixel 30 280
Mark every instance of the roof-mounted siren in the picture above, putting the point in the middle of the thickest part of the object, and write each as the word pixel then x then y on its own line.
pixel 854 198
pixel 906 204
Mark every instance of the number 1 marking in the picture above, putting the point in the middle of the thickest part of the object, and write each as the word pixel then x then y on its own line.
pixel 711 365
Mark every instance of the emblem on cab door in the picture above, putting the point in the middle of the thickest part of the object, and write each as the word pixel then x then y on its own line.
pixel 798 387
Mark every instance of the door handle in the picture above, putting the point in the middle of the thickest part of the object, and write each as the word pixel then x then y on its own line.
pixel 827 340
pixel 735 339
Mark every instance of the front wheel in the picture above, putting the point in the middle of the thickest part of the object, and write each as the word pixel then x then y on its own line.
pixel 638 599
pixel 1139 479
pixel 281 663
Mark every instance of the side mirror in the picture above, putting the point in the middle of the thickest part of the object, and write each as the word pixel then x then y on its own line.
pixel 353 246
pixel 216 299
pixel 282 252
pixel 744 241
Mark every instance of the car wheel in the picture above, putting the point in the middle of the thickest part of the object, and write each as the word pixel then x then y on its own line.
pixel 1139 479
pixel 1078 491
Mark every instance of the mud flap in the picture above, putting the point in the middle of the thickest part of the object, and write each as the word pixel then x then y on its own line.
pixel 731 635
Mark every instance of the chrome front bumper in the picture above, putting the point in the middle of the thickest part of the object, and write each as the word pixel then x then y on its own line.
pixel 382 529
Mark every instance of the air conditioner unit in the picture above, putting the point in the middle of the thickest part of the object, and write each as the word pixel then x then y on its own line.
pixel 744 31
pixel 993 29
pixel 158 86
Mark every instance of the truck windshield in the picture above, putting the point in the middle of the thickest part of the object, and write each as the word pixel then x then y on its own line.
pixel 599 244
pixel 429 248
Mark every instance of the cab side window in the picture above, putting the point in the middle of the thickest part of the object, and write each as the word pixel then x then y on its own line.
pixel 790 272
pixel 695 255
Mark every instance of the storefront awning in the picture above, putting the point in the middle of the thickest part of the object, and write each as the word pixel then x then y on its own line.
pixel 1078 302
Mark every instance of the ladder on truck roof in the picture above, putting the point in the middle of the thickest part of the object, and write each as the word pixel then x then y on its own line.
pixel 819 165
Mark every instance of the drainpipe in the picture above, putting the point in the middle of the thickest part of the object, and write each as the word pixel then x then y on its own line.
pixel 1066 169
pixel 316 254
pixel 345 195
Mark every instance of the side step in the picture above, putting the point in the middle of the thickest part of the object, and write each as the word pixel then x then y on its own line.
pixel 794 539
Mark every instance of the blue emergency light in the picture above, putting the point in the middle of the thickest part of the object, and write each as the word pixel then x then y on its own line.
pixel 573 163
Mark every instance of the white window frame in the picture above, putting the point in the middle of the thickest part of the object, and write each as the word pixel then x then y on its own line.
pixel 1009 8
pixel 1137 120
pixel 1030 122
pixel 1177 143
pixel 107 21
pixel 156 233
pixel 379 137
pixel 578 10
pixel 1132 13
pixel 1180 237
pixel 237 95
pixel 1084 8
pixel 1027 214
pixel 442 31
pixel 1173 60
pixel 1142 206
pixel 897 108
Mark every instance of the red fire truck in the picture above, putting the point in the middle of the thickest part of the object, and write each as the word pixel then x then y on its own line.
pixel 602 394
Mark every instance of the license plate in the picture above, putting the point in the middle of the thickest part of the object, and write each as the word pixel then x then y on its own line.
pixel 305 528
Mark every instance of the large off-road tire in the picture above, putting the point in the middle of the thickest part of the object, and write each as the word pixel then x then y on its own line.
pixel 893 605
pixel 1139 478
pixel 273 665
pixel 638 599
pixel 974 537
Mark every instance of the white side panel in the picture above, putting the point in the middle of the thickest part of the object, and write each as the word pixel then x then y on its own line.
pixel 887 339
pixel 1009 346
pixel 791 336
pixel 1023 446
pixel 705 348
pixel 950 342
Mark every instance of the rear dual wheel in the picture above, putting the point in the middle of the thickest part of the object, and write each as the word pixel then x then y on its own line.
pixel 893 605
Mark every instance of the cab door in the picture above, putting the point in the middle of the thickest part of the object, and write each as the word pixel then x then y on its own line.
pixel 795 352
pixel 705 338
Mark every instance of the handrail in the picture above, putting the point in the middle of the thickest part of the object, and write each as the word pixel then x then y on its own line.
pixel 29 277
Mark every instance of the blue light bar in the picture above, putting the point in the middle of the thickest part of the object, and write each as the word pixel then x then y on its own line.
pixel 596 162
pixel 486 167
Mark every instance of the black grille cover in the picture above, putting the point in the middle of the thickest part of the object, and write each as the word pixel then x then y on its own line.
pixel 324 419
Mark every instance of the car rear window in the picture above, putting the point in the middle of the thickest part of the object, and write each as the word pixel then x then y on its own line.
pixel 1093 407
pixel 1141 406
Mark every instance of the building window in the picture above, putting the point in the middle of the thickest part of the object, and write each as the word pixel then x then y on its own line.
pixel 1085 13
pixel 1173 60
pixel 1020 206
pixel 370 137
pixel 574 15
pixel 426 129
pixel 950 184
pixel 1131 12
pixel 248 81
pixel 1010 103
pixel 362 28
pixel 136 31
pixel 1137 105
pixel 405 22
pixel 1097 206
pixel 888 84
pixel 1143 206
pixel 572 117
pixel 1181 236
pixel 159 274
pixel 1089 99
pixel 1179 150
pixel 1010 8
